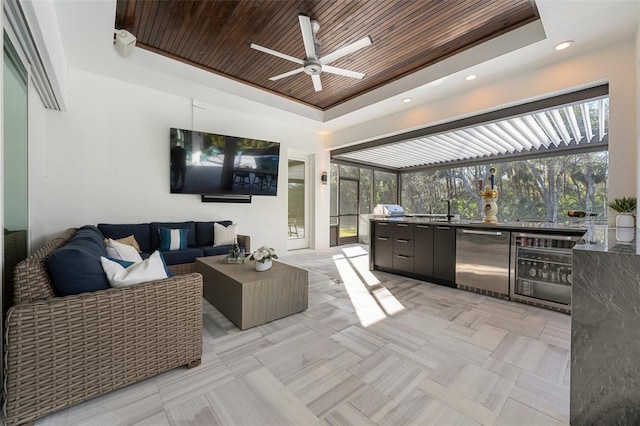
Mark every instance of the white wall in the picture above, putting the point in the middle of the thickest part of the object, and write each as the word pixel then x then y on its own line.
pixel 107 160
pixel 614 64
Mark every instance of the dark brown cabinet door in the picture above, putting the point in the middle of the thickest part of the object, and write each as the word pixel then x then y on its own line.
pixel 444 253
pixel 383 250
pixel 423 250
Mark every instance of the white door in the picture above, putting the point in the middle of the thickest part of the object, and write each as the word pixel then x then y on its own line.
pixel 298 224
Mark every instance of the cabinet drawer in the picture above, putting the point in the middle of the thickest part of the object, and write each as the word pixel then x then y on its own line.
pixel 384 229
pixel 403 246
pixel 403 231
pixel 402 262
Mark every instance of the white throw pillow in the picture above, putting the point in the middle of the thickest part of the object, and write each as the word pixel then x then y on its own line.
pixel 147 270
pixel 224 235
pixel 123 251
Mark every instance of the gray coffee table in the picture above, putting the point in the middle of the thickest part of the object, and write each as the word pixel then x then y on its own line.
pixel 249 298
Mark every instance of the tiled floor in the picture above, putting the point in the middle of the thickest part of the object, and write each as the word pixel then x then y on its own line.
pixel 372 348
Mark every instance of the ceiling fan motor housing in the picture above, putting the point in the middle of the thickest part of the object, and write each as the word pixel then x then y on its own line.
pixel 312 66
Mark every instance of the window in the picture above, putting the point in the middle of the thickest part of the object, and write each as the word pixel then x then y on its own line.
pixel 366 191
pixel 542 188
pixel 353 194
pixel 385 187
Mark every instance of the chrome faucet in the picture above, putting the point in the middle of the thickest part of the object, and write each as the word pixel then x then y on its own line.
pixel 449 215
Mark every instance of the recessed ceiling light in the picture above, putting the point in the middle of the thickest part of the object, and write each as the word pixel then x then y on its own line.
pixel 563 45
pixel 407 100
pixel 471 77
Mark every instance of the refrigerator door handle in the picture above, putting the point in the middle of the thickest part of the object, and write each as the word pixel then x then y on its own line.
pixel 474 232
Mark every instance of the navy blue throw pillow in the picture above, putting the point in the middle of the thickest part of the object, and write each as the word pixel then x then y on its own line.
pixel 75 268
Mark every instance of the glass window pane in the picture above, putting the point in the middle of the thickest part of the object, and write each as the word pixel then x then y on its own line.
pixel 534 189
pixel 348 196
pixel 366 177
pixel 296 198
pixel 385 187
pixel 15 170
pixel 333 190
pixel 348 226
pixel 349 171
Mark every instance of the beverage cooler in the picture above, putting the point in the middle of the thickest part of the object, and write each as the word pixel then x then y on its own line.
pixel 541 269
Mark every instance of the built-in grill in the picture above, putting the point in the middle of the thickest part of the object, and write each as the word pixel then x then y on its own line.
pixel 388 210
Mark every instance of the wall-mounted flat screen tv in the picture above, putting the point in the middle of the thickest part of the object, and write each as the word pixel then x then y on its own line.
pixel 206 163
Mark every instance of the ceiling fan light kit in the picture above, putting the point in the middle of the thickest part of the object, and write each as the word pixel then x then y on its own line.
pixel 313 64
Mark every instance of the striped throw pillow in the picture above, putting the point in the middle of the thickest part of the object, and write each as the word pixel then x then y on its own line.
pixel 173 239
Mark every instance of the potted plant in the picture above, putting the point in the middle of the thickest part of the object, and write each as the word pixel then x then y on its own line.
pixel 626 208
pixel 263 257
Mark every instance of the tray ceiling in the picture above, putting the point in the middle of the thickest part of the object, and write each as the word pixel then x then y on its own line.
pixel 407 36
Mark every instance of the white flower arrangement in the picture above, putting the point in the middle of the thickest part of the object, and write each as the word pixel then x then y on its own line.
pixel 263 254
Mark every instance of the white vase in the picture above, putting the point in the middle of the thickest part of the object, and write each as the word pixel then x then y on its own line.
pixel 625 235
pixel 625 220
pixel 263 266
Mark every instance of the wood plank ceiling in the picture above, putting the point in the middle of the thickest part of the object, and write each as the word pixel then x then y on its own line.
pixel 407 36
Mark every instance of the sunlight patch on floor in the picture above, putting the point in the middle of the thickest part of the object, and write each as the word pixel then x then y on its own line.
pixel 389 303
pixel 370 305
pixel 360 262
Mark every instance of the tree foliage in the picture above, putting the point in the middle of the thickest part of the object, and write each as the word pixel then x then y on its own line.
pixel 542 188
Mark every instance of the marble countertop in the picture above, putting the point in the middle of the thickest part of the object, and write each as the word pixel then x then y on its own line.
pixel 611 240
pixel 576 227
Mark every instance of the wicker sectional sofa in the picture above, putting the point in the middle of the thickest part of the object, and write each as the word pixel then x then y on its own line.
pixel 60 351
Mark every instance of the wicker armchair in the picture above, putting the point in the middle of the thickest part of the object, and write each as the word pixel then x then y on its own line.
pixel 64 350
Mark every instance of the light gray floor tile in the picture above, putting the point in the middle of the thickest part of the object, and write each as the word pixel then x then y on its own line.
pixel 516 413
pixel 543 395
pixel 259 399
pixel 194 412
pixel 347 415
pixel 130 405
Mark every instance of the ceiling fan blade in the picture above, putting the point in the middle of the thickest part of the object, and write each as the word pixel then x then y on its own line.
pixel 287 74
pixel 342 71
pixel 307 36
pixel 343 51
pixel 317 84
pixel 278 54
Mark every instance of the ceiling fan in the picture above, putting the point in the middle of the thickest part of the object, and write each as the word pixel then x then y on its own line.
pixel 313 64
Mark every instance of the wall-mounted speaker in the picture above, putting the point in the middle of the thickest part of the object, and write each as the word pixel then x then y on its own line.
pixel 226 198
pixel 125 42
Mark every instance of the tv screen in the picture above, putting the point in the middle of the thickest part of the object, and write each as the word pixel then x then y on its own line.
pixel 205 163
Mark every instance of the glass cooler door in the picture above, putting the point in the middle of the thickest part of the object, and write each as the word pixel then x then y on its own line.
pixel 542 269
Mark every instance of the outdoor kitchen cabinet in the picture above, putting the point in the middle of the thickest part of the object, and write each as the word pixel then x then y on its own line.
pixel 383 244
pixel 444 253
pixel 418 250
pixel 423 249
